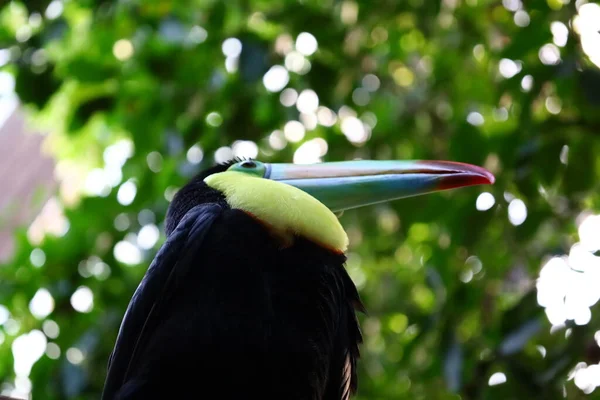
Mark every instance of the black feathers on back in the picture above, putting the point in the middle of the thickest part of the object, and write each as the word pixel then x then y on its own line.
pixel 237 316
pixel 153 294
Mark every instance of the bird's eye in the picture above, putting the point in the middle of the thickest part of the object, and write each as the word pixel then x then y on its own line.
pixel 251 167
pixel 248 164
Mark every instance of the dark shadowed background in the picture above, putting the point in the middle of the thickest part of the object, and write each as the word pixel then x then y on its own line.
pixel 489 292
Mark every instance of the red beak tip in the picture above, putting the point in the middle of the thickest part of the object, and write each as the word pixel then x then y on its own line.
pixel 471 178
pixel 491 179
pixel 480 175
pixel 461 174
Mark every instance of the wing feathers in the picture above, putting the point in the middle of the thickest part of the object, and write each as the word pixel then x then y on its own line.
pixel 160 281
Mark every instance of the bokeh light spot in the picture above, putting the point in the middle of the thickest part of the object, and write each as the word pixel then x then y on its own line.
pixel 517 212
pixel 549 54
pixel 214 119
pixel 75 356
pixel 232 47
pixel 245 149
pixel 127 253
pixel 148 236
pixel 308 101
pixel 223 154
pixel 294 131
pixel 82 300
pixel 276 78
pixel 277 140
pixel 126 193
pixel 51 329
pixel 27 349
pixel 306 43
pixel 52 351
pixel 195 154
pixel 123 49
pixel 288 97
pixel 37 257
pixel 485 201
pixel 497 378
pixel 41 304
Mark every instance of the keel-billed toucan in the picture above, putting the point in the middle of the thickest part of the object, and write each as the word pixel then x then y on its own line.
pixel 248 297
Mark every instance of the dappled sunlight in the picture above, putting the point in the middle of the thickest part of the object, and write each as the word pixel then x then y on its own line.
pixel 214 119
pixel 311 152
pixel 587 24
pixel 99 181
pixel 148 236
pixel 123 49
pixel 133 99
pixel 309 120
pixel 527 83
pixel 517 212
pixel 509 68
pixel 297 62
pixel 567 288
pixel 326 116
pixel 371 82
pixel 306 43
pixel 232 48
pixel 560 33
pixel 307 101
pixel 475 118
pixel 361 96
pixel 52 351
pixel 521 18
pixel 51 329
pixel 95 267
pixel 54 9
pixel 294 131
pixel 126 193
pixel 549 54
pixel 288 97
pixel 42 304
pixel 244 149
pixel 4 314
pixel 589 233
pixel 195 154
pixel 197 35
pixel 485 201
pixel 276 78
pixel 586 377
pixel 497 378
pixel 566 293
pixel 37 257
pixel 277 140
pixel 127 253
pixel 355 130
pixel 223 154
pixel 82 300
pixel 75 356
pixel 155 161
pixel 26 349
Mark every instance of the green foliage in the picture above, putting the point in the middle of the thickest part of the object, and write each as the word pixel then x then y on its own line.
pixel 450 290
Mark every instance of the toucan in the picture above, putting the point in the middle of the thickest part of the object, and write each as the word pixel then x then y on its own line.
pixel 249 297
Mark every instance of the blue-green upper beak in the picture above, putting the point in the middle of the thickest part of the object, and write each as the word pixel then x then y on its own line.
pixel 350 184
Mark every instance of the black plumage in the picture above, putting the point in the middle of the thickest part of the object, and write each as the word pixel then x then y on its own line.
pixel 226 311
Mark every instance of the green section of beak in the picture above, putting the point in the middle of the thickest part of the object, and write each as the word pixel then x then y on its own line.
pixel 350 184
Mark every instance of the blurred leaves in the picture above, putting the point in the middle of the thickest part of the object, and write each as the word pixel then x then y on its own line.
pixel 450 289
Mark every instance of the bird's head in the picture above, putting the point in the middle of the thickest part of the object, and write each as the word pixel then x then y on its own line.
pixel 295 199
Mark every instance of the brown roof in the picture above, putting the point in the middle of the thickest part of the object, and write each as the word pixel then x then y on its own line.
pixel 26 178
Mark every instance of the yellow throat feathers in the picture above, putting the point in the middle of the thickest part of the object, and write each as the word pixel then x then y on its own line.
pixel 284 208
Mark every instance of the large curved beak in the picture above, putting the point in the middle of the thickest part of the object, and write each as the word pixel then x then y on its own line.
pixel 350 184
